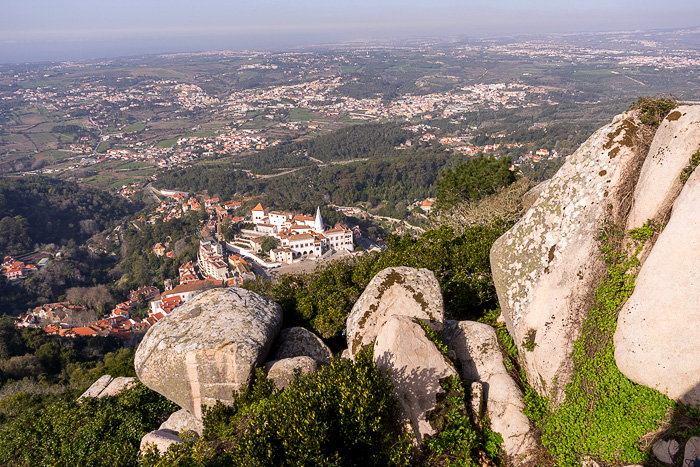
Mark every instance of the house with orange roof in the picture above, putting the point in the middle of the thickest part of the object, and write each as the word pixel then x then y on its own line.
pixel 282 255
pixel 231 205
pixel 184 292
pixel 159 249
pixel 84 331
pixel 259 213
pixel 187 273
pixel 427 204
pixel 149 293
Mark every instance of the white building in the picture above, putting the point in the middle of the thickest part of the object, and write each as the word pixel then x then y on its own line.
pixel 259 214
pixel 300 234
pixel 210 260
pixel 340 239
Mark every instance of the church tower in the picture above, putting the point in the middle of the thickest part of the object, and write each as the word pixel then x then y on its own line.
pixel 318 223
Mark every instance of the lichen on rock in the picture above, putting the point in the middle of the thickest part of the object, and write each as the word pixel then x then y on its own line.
pixel 208 347
pixel 546 267
pixel 394 291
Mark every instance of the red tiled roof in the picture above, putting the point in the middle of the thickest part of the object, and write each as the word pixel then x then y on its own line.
pixel 85 331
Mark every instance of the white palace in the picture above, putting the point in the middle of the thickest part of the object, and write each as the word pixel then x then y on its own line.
pixel 299 234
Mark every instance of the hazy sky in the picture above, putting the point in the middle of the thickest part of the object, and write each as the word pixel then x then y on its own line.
pixel 32 30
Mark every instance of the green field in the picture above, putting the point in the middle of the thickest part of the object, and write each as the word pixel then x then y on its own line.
pixel 301 115
pixel 135 127
pixel 134 165
pixel 167 143
pixel 43 138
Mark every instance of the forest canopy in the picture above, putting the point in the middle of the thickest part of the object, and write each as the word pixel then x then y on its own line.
pixel 40 209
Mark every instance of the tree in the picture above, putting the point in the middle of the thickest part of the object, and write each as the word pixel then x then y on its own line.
pixel 229 230
pixel 269 243
pixel 474 180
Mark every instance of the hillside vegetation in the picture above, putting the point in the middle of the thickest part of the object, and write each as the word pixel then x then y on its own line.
pixel 46 210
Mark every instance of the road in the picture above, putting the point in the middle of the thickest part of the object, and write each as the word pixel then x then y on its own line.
pixel 403 223
pixel 99 139
pixel 149 188
pixel 319 162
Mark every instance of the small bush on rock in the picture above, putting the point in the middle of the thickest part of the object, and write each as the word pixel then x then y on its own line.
pixel 652 110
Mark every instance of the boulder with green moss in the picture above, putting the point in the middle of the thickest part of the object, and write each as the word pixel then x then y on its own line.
pixel 547 266
pixel 394 291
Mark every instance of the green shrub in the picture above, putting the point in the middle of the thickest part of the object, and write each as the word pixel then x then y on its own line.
pixel 690 168
pixel 473 180
pixel 93 432
pixel 345 414
pixel 652 110
pixel 456 436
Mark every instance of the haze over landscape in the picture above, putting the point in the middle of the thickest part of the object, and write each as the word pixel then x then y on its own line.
pixel 45 30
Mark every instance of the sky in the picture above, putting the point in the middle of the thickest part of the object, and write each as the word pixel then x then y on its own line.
pixel 52 30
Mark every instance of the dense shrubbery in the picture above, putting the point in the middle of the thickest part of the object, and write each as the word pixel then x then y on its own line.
pixel 652 110
pixel 344 415
pixel 473 180
pixel 36 364
pixel 41 377
pixel 92 432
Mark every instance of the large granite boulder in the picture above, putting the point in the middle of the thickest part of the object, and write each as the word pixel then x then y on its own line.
pixel 480 360
pixel 282 372
pixel 416 367
pixel 547 266
pixel 659 183
pixel 297 342
pixel 208 347
pixel 394 291
pixel 657 341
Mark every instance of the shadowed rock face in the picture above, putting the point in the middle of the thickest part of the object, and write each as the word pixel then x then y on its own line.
pixel 282 372
pixel 297 342
pixel 479 355
pixel 657 341
pixel 546 267
pixel 394 291
pixel 208 347
pixel 416 367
